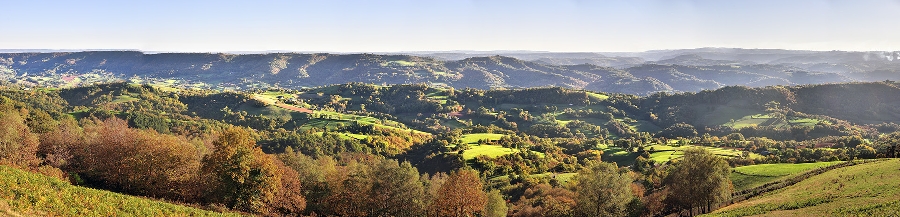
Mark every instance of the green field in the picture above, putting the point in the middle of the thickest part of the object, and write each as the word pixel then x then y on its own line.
pixel 868 189
pixel 124 98
pixel 29 194
pixel 487 150
pixel 347 135
pixel 473 138
pixel 747 177
pixel 597 96
pixel 766 120
pixel 663 153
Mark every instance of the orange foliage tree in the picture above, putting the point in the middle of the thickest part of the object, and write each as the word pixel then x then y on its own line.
pixel 241 175
pixel 141 162
pixel 18 146
pixel 460 195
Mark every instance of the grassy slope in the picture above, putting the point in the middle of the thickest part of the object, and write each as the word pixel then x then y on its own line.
pixel 663 153
pixel 24 193
pixel 488 150
pixel 869 189
pixel 747 177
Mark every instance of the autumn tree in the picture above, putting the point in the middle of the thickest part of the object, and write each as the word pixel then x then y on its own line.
pixel 57 146
pixel 18 146
pixel 461 195
pixel 545 200
pixel 602 190
pixel 141 162
pixel 289 199
pixel 241 175
pixel 699 179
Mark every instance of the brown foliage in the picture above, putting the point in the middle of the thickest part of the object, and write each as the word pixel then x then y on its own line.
pixel 18 146
pixel 289 200
pixel 460 195
pixel 545 200
pixel 141 162
pixel 241 176
pixel 57 145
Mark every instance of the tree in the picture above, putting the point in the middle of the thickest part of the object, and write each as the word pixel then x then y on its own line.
pixel 678 130
pixel 602 190
pixel 495 206
pixel 242 176
pixel 396 189
pixel 289 199
pixel 460 195
pixel 699 179
pixel 141 162
pixel 18 146
pixel 545 200
pixel 57 145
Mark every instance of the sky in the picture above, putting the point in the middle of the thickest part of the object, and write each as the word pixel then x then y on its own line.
pixel 445 25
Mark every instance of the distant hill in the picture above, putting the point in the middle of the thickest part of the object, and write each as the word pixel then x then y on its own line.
pixel 671 71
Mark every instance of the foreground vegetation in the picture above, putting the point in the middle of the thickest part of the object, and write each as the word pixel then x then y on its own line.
pixel 863 190
pixel 30 194
pixel 409 150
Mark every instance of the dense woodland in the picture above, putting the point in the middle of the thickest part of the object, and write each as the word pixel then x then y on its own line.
pixel 360 149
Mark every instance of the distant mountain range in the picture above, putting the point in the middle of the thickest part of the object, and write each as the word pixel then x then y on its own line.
pixel 632 73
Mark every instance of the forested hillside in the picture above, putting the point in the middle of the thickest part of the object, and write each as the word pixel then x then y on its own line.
pixel 358 149
pixel 668 71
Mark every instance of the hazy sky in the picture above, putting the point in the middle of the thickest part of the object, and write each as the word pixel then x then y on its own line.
pixel 431 25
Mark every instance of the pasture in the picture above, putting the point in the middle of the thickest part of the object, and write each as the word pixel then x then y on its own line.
pixel 663 153
pixel 473 138
pixel 747 177
pixel 29 194
pixel 869 189
pixel 487 150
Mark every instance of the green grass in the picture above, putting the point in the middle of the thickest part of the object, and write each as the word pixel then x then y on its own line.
pixel 30 194
pixel 270 111
pixel 721 115
pixel 664 153
pixel 597 96
pixel 748 121
pixel 473 138
pixel 347 135
pixel 747 177
pixel 487 150
pixel 868 189
pixel 764 120
pixel 124 98
pixel 491 151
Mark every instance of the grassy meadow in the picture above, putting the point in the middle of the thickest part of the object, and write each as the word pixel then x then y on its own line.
pixel 747 177
pixel 29 194
pixel 869 189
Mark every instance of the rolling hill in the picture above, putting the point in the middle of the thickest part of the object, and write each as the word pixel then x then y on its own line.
pixel 669 71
